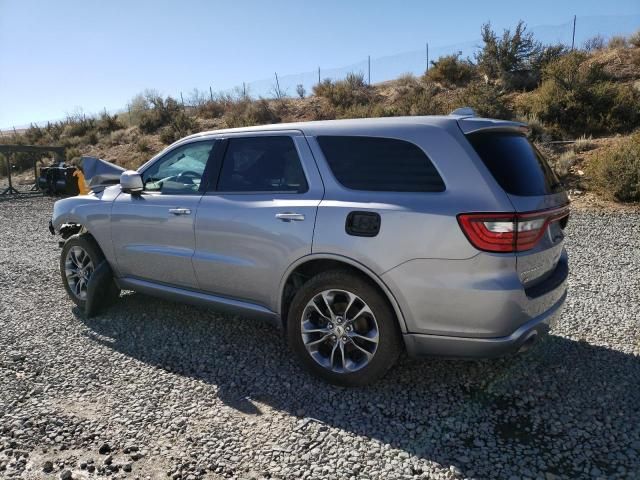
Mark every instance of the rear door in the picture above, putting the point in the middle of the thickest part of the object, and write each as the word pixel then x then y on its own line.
pixel 258 216
pixel 532 186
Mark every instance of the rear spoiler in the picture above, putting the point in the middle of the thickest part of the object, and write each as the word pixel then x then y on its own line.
pixel 470 123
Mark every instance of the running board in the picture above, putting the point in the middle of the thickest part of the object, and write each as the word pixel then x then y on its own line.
pixel 221 304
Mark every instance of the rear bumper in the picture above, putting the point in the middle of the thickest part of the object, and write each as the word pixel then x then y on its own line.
pixel 419 345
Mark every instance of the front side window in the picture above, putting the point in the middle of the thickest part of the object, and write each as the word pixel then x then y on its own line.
pixel 380 164
pixel 180 171
pixel 262 164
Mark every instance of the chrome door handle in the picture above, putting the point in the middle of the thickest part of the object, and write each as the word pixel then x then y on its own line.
pixel 289 216
pixel 180 211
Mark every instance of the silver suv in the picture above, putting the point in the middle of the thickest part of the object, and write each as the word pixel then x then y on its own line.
pixel 359 238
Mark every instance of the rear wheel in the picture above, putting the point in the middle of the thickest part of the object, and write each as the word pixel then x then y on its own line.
pixel 342 329
pixel 80 257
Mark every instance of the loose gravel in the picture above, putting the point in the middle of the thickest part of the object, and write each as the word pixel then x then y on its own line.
pixel 153 389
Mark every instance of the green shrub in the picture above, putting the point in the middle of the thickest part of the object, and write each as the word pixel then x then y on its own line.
pixel 487 100
pixel 615 170
pixel 583 144
pixel 166 112
pixel 108 123
pixel 617 41
pixel 143 145
pixel 246 112
pixel 78 125
pixel 416 98
pixel 451 71
pixel 562 165
pixel 167 135
pixel 353 90
pixel 512 59
pixel 72 154
pixel 576 97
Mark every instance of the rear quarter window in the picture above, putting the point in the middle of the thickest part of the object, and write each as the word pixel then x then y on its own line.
pixel 515 163
pixel 380 164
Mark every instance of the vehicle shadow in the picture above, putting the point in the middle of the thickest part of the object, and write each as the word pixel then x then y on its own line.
pixel 566 407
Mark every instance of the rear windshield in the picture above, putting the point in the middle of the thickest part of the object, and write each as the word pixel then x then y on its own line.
pixel 380 164
pixel 515 163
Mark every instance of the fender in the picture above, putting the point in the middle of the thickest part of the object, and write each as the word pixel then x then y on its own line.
pixel 357 265
pixel 93 212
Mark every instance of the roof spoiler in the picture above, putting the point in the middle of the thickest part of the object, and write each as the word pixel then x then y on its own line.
pixel 464 112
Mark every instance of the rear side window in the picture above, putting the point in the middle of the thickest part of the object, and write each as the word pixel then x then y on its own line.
pixel 515 163
pixel 380 164
pixel 262 164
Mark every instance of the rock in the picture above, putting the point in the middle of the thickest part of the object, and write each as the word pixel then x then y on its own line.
pixel 47 467
pixel 66 475
pixel 104 449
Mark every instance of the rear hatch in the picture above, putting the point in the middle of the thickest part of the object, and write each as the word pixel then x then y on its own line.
pixel 537 196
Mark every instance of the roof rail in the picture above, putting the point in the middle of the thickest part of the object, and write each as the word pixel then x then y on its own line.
pixel 464 112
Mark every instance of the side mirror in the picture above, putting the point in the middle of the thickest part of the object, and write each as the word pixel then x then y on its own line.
pixel 131 182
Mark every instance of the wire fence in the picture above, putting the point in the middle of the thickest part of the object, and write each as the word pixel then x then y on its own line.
pixel 380 69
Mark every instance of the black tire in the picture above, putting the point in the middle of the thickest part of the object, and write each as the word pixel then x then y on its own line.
pixel 89 245
pixel 389 344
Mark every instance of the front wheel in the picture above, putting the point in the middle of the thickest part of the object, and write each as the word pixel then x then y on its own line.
pixel 343 329
pixel 80 257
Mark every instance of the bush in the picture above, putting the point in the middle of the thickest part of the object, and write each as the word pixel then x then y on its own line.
pixel 594 43
pixel 353 90
pixel 583 144
pixel 166 112
pixel 576 97
pixel 413 97
pixel 450 70
pixel 167 135
pixel 246 112
pixel 72 155
pixel 634 39
pixel 615 171
pixel 512 59
pixel 78 125
pixel 617 41
pixel 108 123
pixel 487 100
pixel 562 165
pixel 143 145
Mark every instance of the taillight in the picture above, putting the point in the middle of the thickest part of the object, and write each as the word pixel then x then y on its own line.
pixel 509 232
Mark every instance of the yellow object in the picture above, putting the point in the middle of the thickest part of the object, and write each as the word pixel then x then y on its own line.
pixel 82 185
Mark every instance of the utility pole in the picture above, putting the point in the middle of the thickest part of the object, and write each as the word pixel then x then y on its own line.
pixel 369 67
pixel 210 93
pixel 244 90
pixel 427 56
pixel 182 100
pixel 318 75
pixel 573 37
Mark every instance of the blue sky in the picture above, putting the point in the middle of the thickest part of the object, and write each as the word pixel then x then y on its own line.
pixel 57 56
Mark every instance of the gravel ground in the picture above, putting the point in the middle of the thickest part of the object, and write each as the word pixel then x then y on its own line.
pixel 153 389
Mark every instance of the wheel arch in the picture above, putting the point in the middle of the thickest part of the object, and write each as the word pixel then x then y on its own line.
pixel 325 261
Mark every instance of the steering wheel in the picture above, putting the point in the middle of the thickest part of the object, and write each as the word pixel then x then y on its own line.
pixel 188 174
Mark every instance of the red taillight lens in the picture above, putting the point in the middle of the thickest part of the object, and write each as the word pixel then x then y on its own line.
pixel 508 232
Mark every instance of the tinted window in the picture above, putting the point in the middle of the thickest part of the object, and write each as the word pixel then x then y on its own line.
pixel 179 171
pixel 380 164
pixel 515 163
pixel 262 164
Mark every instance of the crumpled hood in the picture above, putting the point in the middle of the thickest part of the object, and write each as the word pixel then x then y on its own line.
pixel 99 173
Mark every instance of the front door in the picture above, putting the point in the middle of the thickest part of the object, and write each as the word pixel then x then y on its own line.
pixel 153 232
pixel 259 218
